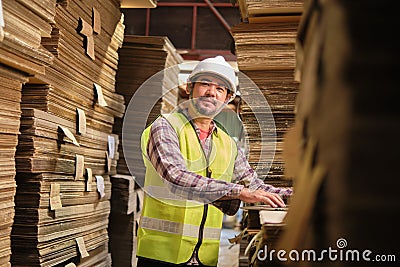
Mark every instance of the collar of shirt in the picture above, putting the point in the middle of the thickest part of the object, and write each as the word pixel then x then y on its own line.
pixel 214 129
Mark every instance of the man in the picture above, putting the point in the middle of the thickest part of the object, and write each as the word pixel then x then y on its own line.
pixel 193 172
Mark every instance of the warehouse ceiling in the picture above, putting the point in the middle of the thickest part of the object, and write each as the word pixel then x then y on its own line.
pixel 198 29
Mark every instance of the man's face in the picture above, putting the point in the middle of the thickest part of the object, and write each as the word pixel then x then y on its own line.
pixel 209 95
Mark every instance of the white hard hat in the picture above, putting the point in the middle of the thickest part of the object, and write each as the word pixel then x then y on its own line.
pixel 218 67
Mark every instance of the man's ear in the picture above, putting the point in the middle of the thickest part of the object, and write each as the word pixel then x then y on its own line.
pixel 188 87
pixel 228 97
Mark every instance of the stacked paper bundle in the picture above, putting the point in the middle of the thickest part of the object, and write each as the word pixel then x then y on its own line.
pixel 10 96
pixel 66 150
pixel 22 25
pixel 126 202
pixel 267 46
pixel 347 124
pixel 145 58
pixel 170 94
pixel 25 23
pixel 266 55
pixel 259 11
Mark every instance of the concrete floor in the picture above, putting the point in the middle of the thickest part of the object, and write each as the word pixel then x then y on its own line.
pixel 228 253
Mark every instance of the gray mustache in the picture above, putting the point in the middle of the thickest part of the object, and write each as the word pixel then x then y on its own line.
pixel 208 99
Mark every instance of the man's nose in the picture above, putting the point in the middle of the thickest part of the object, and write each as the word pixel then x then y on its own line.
pixel 212 90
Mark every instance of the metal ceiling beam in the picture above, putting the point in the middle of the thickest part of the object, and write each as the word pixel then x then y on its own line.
pixel 194 28
pixel 193 52
pixel 219 16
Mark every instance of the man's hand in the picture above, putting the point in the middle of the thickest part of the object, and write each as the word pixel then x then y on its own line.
pixel 255 196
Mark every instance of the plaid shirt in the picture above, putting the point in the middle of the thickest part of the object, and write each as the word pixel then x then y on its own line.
pixel 164 153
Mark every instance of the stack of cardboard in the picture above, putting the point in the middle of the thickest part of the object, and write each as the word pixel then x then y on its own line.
pixel 256 11
pixel 155 60
pixel 343 149
pixel 25 23
pixel 266 55
pixel 126 202
pixel 22 25
pixel 10 87
pixel 66 150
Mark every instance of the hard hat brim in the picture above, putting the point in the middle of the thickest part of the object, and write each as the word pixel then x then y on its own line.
pixel 228 84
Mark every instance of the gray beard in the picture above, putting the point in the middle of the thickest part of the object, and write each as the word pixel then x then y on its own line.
pixel 206 111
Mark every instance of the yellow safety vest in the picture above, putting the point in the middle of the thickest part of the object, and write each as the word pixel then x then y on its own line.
pixel 172 228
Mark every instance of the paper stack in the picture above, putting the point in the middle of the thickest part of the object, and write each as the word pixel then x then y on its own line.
pixel 10 96
pixel 260 11
pixel 67 151
pixel 25 23
pixel 126 203
pixel 148 79
pixel 22 25
pixel 266 55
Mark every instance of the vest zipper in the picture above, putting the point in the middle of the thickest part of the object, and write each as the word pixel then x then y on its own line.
pixel 205 210
pixel 201 231
pixel 203 222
